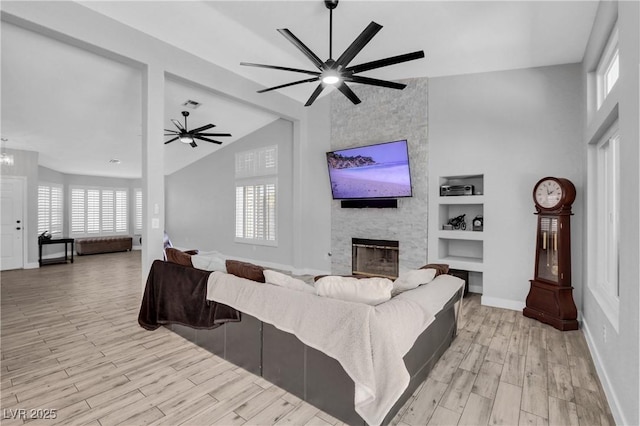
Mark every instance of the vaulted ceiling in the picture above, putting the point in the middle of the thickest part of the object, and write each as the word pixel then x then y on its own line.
pixel 79 109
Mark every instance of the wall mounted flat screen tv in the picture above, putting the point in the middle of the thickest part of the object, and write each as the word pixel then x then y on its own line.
pixel 372 171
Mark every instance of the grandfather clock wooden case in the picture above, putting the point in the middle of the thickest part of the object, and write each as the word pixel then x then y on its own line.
pixel 550 298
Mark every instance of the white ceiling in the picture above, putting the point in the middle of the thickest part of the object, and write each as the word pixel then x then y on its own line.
pixel 79 109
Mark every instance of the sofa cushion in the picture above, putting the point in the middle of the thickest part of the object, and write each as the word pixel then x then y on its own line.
pixel 284 280
pixel 371 291
pixel 411 279
pixel 245 270
pixel 178 256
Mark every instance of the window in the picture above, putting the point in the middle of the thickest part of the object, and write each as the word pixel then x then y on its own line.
pixel 604 222
pixel 50 208
pixel 138 211
pixel 99 211
pixel 608 69
pixel 256 196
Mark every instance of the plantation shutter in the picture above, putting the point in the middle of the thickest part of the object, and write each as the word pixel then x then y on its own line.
pixel 138 213
pixel 108 205
pixel 56 209
pixel 77 211
pixel 93 211
pixel 121 211
pixel 44 208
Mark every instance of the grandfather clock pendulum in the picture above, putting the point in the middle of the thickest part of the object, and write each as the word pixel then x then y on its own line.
pixel 550 298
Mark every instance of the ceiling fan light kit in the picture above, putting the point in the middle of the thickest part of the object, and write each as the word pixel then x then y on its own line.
pixel 337 72
pixel 189 136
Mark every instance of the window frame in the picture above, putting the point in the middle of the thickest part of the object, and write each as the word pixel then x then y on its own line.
pixel 603 222
pixel 255 168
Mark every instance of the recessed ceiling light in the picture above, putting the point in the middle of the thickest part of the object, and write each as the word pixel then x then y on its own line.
pixel 191 104
pixel 114 161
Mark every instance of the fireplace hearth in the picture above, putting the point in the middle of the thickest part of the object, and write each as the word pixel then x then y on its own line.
pixel 375 257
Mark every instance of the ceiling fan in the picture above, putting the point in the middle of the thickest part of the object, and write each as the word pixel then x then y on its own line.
pixel 337 72
pixel 189 136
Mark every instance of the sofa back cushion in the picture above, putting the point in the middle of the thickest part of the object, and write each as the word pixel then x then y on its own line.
pixel 245 270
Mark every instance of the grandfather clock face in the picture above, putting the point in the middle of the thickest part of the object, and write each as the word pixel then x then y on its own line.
pixel 547 267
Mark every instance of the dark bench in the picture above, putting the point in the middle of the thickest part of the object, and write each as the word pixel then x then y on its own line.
pixel 103 244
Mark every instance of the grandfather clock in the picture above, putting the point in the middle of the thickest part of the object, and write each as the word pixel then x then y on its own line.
pixel 550 298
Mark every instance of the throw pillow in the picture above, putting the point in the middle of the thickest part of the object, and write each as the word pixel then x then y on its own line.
pixel 284 280
pixel 412 279
pixel 441 268
pixel 178 256
pixel 371 291
pixel 245 270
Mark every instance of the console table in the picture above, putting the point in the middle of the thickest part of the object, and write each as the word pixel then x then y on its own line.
pixel 65 241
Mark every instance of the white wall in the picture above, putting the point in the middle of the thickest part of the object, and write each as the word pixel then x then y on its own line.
pixel 200 199
pixel 514 127
pixel 615 350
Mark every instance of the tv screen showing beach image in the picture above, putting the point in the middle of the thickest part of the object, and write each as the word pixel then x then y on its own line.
pixel 373 171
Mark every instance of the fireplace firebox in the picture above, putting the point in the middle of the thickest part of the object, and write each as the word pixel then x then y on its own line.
pixel 375 257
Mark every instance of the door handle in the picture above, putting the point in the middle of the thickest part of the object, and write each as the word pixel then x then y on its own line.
pixel 18 228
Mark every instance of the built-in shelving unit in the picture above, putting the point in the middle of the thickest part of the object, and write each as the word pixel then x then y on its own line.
pixel 461 249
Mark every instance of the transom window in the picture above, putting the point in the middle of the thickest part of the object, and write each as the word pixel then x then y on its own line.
pixel 608 69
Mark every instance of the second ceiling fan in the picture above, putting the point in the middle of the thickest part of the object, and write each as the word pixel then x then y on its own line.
pixel 337 72
pixel 189 136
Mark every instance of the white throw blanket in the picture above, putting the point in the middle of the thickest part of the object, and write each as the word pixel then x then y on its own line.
pixel 368 341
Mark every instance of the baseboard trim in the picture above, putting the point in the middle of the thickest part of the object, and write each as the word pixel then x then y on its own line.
pixel 32 265
pixel 610 393
pixel 514 305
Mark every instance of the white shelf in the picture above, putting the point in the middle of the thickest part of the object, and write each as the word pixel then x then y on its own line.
pixel 460 249
pixel 461 235
pixel 461 199
pixel 464 263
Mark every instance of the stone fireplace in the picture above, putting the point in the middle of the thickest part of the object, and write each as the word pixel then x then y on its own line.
pixel 375 257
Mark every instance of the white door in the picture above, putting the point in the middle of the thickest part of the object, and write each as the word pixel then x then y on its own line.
pixel 11 216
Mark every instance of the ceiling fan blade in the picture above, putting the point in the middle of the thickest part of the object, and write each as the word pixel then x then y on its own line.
pixel 171 131
pixel 213 134
pixel 386 62
pixel 375 82
pixel 315 94
pixel 275 67
pixel 178 124
pixel 301 46
pixel 171 140
pixel 205 127
pixel 342 87
pixel 346 90
pixel 357 45
pixel 306 80
pixel 206 139
pixel 193 144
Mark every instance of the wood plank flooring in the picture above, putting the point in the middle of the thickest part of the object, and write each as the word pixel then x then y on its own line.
pixel 71 343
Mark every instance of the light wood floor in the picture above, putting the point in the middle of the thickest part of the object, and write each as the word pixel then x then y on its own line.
pixel 71 343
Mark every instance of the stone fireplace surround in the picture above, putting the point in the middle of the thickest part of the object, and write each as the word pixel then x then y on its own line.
pixel 383 116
